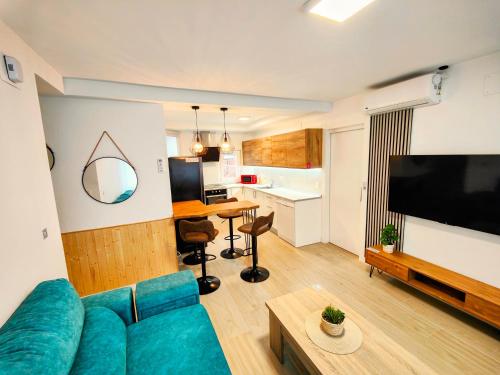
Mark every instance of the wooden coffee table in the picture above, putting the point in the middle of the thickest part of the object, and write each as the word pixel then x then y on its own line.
pixel 378 354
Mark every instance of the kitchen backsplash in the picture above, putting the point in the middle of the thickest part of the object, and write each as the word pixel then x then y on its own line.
pixel 306 180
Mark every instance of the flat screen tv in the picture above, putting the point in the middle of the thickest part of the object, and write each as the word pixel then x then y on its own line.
pixel 210 154
pixel 461 190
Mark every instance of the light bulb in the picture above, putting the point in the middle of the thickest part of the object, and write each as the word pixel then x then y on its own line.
pixel 226 147
pixel 197 147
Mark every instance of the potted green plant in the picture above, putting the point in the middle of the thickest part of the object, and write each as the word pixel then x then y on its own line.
pixel 332 321
pixel 388 237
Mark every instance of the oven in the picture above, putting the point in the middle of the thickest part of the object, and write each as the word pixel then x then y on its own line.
pixel 214 194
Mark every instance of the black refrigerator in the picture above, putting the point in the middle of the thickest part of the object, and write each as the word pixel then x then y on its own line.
pixel 186 184
pixel 186 178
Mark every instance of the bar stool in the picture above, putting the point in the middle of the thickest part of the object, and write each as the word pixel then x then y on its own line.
pixel 231 252
pixel 199 233
pixel 261 225
pixel 194 258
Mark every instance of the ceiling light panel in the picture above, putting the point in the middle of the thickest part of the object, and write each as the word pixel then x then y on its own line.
pixel 338 10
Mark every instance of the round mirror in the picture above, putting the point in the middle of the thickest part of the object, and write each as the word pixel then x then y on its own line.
pixel 109 180
pixel 50 157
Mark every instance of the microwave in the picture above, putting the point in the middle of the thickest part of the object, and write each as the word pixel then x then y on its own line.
pixel 248 179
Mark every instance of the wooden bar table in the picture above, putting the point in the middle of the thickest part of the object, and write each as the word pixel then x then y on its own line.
pixel 196 209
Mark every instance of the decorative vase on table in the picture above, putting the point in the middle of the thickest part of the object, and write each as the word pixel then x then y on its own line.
pixel 332 329
pixel 388 237
pixel 332 321
pixel 388 248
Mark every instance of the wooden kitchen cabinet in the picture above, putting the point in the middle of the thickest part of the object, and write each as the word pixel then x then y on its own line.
pixel 299 149
pixel 267 151
pixel 278 150
pixel 296 149
pixel 247 153
pixel 252 152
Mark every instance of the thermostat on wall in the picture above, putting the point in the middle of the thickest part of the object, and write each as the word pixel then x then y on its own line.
pixel 14 69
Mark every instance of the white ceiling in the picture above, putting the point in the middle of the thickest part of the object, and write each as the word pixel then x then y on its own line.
pixel 180 116
pixel 257 47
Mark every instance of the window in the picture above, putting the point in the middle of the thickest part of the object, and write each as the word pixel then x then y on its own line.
pixel 230 166
pixel 172 145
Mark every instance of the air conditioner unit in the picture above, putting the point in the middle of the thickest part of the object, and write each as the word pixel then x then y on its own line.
pixel 417 92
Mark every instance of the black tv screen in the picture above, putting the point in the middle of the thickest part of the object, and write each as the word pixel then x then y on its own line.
pixel 461 190
pixel 210 154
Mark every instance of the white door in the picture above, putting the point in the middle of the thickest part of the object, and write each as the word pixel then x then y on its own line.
pixel 346 189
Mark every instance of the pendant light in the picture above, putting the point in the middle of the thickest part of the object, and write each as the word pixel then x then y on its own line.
pixel 226 147
pixel 196 146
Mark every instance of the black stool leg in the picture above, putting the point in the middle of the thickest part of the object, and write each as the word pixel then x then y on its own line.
pixel 254 274
pixel 206 284
pixel 195 258
pixel 231 252
pixel 192 259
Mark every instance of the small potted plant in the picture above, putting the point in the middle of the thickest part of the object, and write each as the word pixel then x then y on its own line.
pixel 332 321
pixel 388 237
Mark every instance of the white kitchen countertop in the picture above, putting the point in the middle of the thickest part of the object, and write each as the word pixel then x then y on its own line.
pixel 280 192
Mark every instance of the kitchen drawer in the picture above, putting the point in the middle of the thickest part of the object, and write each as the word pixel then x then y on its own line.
pixel 394 269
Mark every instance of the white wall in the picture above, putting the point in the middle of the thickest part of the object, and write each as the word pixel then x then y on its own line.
pixel 73 126
pixel 466 122
pixel 27 199
pixel 306 180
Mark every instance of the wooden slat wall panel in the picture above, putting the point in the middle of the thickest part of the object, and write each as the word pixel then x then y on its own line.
pixel 108 258
pixel 390 134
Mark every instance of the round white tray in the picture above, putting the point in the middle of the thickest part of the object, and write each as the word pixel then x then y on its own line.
pixel 348 342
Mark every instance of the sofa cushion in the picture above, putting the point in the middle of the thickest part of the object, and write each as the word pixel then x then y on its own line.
pixel 103 345
pixel 118 300
pixel 164 293
pixel 42 335
pixel 181 341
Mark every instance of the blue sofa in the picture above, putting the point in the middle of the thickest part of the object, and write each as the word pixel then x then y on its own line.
pixel 53 331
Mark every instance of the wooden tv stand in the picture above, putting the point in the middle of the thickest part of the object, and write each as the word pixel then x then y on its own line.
pixel 474 297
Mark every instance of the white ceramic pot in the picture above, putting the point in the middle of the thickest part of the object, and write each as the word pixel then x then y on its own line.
pixel 332 329
pixel 388 248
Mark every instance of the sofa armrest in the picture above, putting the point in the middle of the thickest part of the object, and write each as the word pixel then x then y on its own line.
pixel 118 300
pixel 165 293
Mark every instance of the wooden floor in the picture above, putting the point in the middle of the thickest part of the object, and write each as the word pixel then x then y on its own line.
pixel 449 341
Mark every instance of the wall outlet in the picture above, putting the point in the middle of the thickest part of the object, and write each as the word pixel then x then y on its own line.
pixel 45 233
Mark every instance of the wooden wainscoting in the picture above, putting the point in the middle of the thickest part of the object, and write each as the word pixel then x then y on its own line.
pixel 108 258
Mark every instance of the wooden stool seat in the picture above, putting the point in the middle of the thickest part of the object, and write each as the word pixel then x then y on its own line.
pixel 230 215
pixel 248 228
pixel 197 237
pixel 231 252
